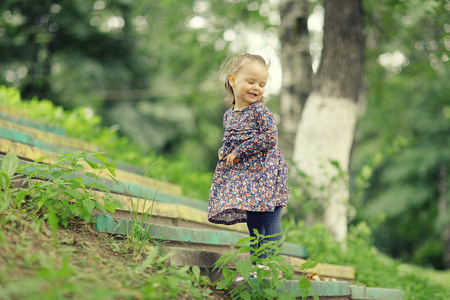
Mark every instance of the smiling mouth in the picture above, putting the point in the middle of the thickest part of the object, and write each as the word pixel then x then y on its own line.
pixel 253 94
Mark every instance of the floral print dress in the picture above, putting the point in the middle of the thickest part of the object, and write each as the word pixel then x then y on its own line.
pixel 257 181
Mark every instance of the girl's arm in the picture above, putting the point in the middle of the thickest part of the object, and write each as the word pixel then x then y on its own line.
pixel 267 137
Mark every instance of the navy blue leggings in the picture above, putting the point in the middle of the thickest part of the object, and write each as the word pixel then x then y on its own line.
pixel 267 223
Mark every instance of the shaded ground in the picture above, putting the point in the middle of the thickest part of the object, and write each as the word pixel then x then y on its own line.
pixel 82 264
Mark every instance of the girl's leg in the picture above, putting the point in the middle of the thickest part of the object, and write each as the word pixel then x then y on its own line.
pixel 255 221
pixel 273 225
pixel 267 223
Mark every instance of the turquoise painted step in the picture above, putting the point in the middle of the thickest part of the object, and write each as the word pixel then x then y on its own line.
pixel 33 123
pixel 107 224
pixel 134 190
pixel 29 139
pixel 362 293
pixel 336 289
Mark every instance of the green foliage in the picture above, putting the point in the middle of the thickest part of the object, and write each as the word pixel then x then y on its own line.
pixel 9 166
pixel 10 194
pixel 307 197
pixel 429 254
pixel 199 281
pixel 401 152
pixel 64 197
pixel 264 278
pixel 195 182
pixel 304 201
pixel 373 269
pixel 166 282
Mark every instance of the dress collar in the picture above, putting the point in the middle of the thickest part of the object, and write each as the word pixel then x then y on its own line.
pixel 245 108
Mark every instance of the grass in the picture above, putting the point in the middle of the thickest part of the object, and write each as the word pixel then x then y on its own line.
pixel 438 277
pixel 84 265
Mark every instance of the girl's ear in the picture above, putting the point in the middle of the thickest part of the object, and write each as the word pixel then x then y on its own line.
pixel 231 79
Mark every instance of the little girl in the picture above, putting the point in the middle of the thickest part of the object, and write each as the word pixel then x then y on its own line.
pixel 250 181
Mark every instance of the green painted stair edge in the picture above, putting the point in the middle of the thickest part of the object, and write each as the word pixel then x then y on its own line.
pixel 134 190
pixel 32 123
pixel 336 289
pixel 362 292
pixel 29 139
pixel 107 224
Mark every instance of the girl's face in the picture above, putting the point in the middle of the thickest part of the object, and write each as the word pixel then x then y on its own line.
pixel 248 84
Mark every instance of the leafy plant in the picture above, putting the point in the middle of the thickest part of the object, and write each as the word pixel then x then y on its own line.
pixel 57 191
pixel 262 279
pixel 8 169
pixel 166 282
pixel 10 194
pixel 199 281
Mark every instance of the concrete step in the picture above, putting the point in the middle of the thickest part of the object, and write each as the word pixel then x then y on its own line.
pixel 51 139
pixel 202 248
pixel 24 133
pixel 339 290
pixel 16 117
pixel 153 190
pixel 165 208
pixel 31 153
pixel 185 235
pixel 205 260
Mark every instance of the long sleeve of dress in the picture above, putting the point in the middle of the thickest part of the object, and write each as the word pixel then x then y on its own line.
pixel 267 137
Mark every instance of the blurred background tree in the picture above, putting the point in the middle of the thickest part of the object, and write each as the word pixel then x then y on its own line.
pixel 401 154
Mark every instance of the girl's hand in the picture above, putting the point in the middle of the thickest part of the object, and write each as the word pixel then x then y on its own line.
pixel 220 155
pixel 230 159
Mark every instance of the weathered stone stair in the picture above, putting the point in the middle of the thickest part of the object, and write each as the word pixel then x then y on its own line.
pixel 181 223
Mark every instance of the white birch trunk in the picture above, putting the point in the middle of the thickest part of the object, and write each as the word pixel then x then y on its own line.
pixel 325 133
pixel 326 128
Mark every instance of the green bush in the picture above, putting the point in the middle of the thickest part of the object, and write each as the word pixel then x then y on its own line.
pixel 430 254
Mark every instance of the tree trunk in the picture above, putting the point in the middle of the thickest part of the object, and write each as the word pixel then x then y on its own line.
pixel 326 130
pixel 297 69
pixel 444 212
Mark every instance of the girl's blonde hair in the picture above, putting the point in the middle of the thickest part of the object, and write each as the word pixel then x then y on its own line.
pixel 234 65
